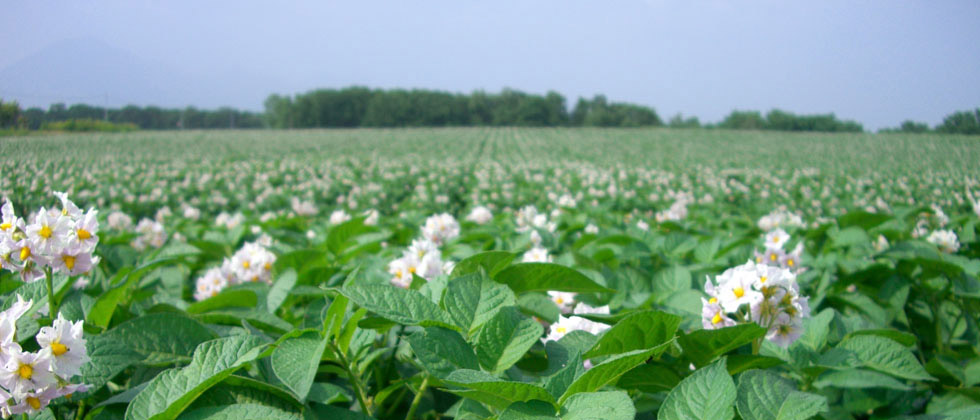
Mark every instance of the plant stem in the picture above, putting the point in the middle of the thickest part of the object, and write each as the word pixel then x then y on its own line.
pixel 756 345
pixel 354 380
pixel 81 410
pixel 52 308
pixel 417 399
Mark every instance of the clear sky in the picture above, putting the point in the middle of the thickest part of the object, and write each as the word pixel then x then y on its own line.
pixel 877 62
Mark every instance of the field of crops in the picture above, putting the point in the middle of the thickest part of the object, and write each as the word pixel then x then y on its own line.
pixel 490 273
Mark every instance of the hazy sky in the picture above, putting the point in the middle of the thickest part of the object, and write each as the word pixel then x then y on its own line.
pixel 878 62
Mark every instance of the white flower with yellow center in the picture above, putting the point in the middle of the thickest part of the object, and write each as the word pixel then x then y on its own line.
pixel 945 239
pixel 713 316
pixel 402 271
pixel 25 372
pixel 735 288
pixel 48 233
pixel 85 231
pixel 68 208
pixel 536 255
pixel 564 300
pixel 73 261
pixel 479 215
pixel 64 343
pixel 785 330
pixel 776 239
pixel 440 228
pixel 338 216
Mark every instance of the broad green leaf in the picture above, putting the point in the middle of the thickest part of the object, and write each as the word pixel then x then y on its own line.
pixel 886 355
pixel 609 371
pixel 442 351
pixel 403 306
pixel 650 378
pixel 815 330
pixel 670 280
pixel 641 330
pixel 708 394
pixel 738 363
pixel 227 298
pixel 295 361
pixel 539 305
pixel 240 412
pixel 764 395
pixel 332 412
pixel 496 391
pixel 610 405
pixel 703 346
pixel 858 378
pixel 541 277
pixel 505 338
pixel 339 236
pixel 901 337
pixel 529 410
pixel 474 299
pixel 280 290
pixel 491 262
pixel 170 392
pixel 257 317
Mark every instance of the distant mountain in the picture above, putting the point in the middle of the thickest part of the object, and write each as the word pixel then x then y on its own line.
pixel 86 70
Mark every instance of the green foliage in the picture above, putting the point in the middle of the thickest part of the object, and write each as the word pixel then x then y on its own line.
pixel 87 125
pixel 961 122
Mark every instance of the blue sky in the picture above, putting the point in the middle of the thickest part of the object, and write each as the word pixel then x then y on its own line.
pixel 877 62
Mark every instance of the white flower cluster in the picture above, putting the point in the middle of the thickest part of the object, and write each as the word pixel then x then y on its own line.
pixel 62 241
pixel 338 216
pixel 926 221
pixel 30 380
pixel 423 257
pixel 151 234
pixel 766 295
pixel 677 210
pixel 303 208
pixel 480 215
pixel 229 221
pixel 774 254
pixel 528 218
pixel 780 218
pixel 945 239
pixel 566 325
pixel 252 263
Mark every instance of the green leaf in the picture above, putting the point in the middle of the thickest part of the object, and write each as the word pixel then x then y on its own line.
pixel 708 394
pixel 225 299
pixel 641 330
pixel 738 363
pixel 442 351
pixel 505 338
pixel 491 262
pixel 541 277
pixel 863 219
pixel 336 413
pixel 858 378
pixel 903 338
pixel 296 359
pixel 670 280
pixel 703 346
pixel 539 305
pixel 650 378
pixel 338 239
pixel 886 355
pixel 403 306
pixel 257 317
pixel 240 412
pixel 170 392
pixel 763 395
pixel 609 371
pixel 280 290
pixel 473 300
pixel 529 410
pixel 611 405
pixel 495 391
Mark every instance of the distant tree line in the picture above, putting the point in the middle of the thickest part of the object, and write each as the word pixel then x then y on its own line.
pixel 780 120
pixel 364 107
pixel 146 118
pixel 960 122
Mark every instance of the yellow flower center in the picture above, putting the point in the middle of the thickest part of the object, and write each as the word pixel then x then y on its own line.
pixel 5 226
pixel 772 257
pixel 69 261
pixel 716 319
pixel 267 266
pixel 45 232
pixel 246 264
pixel 561 330
pixel 790 262
pixel 84 234
pixel 758 259
pixel 25 371
pixel 58 349
pixel 713 300
pixel 559 300
pixel 739 292
pixel 25 253
pixel 763 279
pixel 411 270
pixel 775 239
pixel 398 273
pixel 34 402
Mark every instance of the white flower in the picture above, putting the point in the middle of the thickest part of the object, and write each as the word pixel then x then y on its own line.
pixel 73 260
pixel 440 228
pixel 372 217
pixel 564 300
pixel 776 239
pixel 536 255
pixel 735 287
pixel 64 343
pixel 945 239
pixel 421 247
pixel 338 217
pixel 448 266
pixel 68 208
pixel 785 330
pixel 881 243
pixel 430 266
pixel 85 231
pixel 591 228
pixel 642 225
pixel 713 316
pixel 210 284
pixel 535 238
pixel 48 234
pixel 191 213
pixel 401 271
pixel 582 308
pixel 25 372
pixel 119 221
pixel 479 215
pixel 567 201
